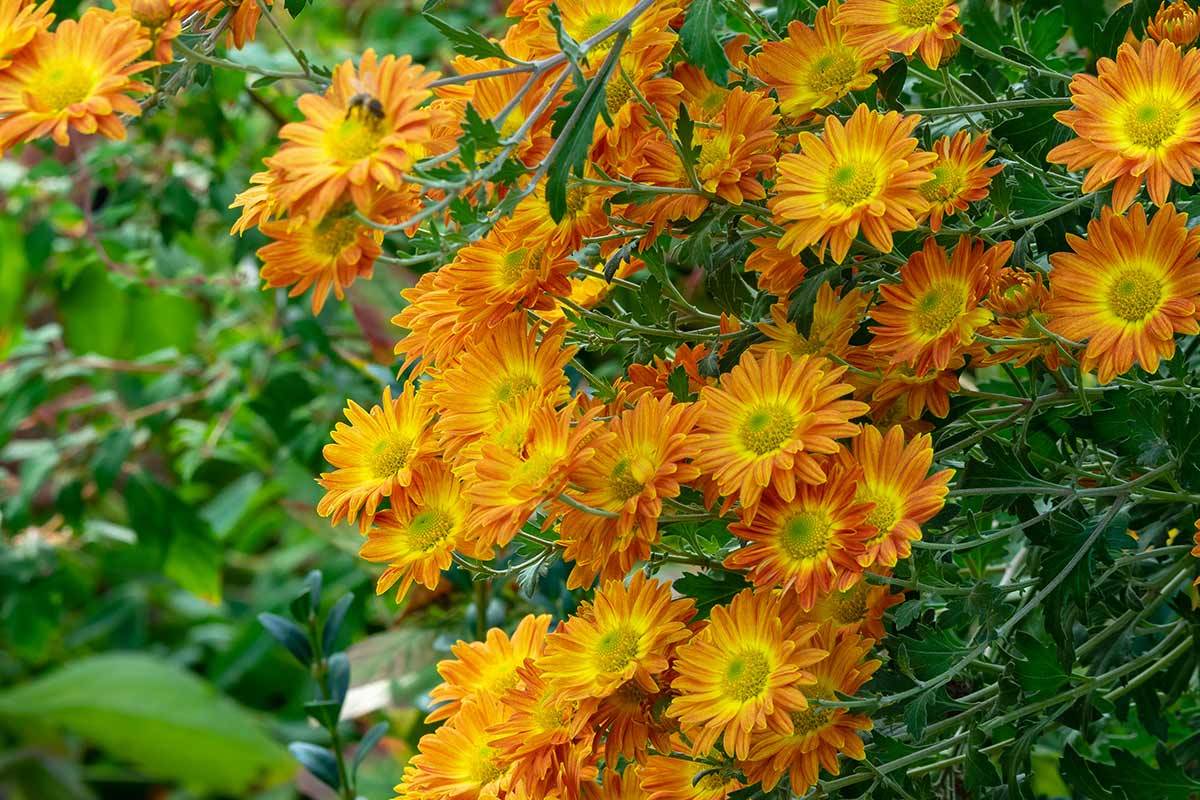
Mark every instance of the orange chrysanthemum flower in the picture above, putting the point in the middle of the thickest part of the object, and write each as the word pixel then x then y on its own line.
pixel 1018 300
pixel 903 26
pixel 932 314
pixel 506 485
pixel 1137 121
pixel 626 634
pixel 768 418
pixel 819 733
pixel 20 21
pixel 329 254
pixel 895 480
pixel 1177 22
pixel 813 67
pixel 779 271
pixel 811 544
pixel 546 736
pixel 374 456
pixel 77 77
pixel 486 668
pixel 243 19
pixel 614 144
pixel 905 396
pixel 667 778
pixel 490 97
pixel 834 321
pixel 866 173
pixel 859 609
pixel 1127 289
pixel 733 155
pixel 458 761
pixel 583 19
pixel 160 21
pixel 959 175
pixel 507 367
pixel 513 266
pixel 741 674
pixel 416 539
pixel 365 131
pixel 641 460
pixel 631 722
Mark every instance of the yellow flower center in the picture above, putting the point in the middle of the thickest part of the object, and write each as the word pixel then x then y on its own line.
pixel 850 606
pixel 939 308
pixel 502 680
pixel 485 767
pixel 851 184
pixel 61 84
pixel 517 265
pixel 919 13
pixel 833 69
pixel 1151 124
pixel 617 93
pixel 335 233
pixel 746 676
pixel 766 428
pixel 390 456
pixel 429 529
pixel 627 479
pixel 590 27
pixel 354 138
pixel 577 197
pixel 946 183
pixel 549 715
pixel 615 649
pixel 805 535
pixel 535 469
pixel 511 387
pixel 1135 294
pixel 810 720
pixel 712 782
pixel 884 515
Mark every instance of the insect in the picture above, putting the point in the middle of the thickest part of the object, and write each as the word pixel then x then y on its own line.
pixel 364 101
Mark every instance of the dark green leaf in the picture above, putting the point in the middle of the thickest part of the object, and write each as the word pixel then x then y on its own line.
pixel 704 20
pixel 467 41
pixel 288 634
pixel 333 623
pixel 317 760
pixel 710 590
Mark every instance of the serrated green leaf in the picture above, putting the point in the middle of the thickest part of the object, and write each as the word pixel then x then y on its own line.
pixel 704 20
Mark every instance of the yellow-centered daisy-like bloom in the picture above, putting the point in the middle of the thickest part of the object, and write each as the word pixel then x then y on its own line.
pixel 859 609
pixel 20 21
pixel 458 761
pixel 583 19
pixel 1175 22
pixel 514 266
pixel 626 634
pixel 417 538
pixel 866 173
pixel 741 674
pixel 365 131
pixel 819 733
pixel 1137 122
pixel 813 67
pixel 1127 289
pixel 932 314
pixel 895 481
pixel 810 545
pixel 160 21
pixel 78 76
pixel 506 485
pixel 768 419
pixel 960 176
pixel 374 456
pixel 926 27
pixel 327 254
pixel 631 723
pixel 834 321
pixel 495 374
pixel 680 778
pixel 643 458
pixel 488 667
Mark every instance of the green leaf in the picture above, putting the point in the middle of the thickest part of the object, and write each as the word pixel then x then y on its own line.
pixel 1110 36
pixel 710 590
pixel 1037 669
pixel 317 760
pixel 582 106
pixel 1047 32
pixel 1133 777
pixel 288 634
pixel 467 41
pixel 891 84
pixel 166 721
pixel 704 20
pixel 916 713
pixel 294 7
pixel 980 773
pixel 110 456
